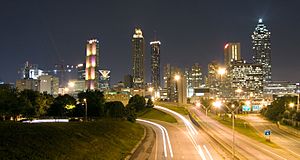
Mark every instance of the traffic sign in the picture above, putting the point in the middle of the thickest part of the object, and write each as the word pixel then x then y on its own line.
pixel 267 132
pixel 246 108
pixel 255 108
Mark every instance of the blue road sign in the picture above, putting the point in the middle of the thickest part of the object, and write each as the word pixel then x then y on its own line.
pixel 267 132
pixel 246 108
pixel 255 108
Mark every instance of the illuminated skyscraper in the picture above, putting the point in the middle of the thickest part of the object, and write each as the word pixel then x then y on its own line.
pixel 261 46
pixel 232 52
pixel 92 64
pixel 155 64
pixel 138 58
pixel 104 80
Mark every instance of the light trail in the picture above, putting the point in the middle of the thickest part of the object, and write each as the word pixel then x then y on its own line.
pixel 187 123
pixel 191 132
pixel 165 136
pixel 210 157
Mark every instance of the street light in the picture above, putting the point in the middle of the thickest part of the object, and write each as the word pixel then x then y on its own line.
pixel 177 77
pixel 85 101
pixel 150 89
pixel 232 109
pixel 221 71
pixel 291 105
pixel 206 109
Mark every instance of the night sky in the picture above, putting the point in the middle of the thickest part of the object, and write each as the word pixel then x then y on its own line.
pixel 49 32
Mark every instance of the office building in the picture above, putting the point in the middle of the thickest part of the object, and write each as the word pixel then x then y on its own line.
pixel 138 58
pixel 246 80
pixel 64 72
pixel 104 80
pixel 92 65
pixel 155 64
pixel 232 52
pixel 281 88
pixel 49 84
pixel 81 71
pixel 193 77
pixel 261 46
pixel 128 81
pixel 30 84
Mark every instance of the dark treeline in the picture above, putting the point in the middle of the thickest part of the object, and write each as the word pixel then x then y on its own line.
pixel 281 110
pixel 32 104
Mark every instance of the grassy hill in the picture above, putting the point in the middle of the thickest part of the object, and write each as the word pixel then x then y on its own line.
pixel 105 139
pixel 151 113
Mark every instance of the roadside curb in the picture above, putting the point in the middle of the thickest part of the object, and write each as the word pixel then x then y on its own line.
pixel 137 145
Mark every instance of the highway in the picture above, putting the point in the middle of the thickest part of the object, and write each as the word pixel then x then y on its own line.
pixel 246 148
pixel 156 144
pixel 190 141
pixel 186 142
pixel 279 135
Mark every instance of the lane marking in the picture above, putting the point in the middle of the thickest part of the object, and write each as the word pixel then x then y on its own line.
pixel 190 129
pixel 165 136
pixel 201 152
pixel 209 155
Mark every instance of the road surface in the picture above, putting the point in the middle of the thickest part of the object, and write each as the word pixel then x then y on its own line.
pixel 189 138
pixel 279 135
pixel 245 148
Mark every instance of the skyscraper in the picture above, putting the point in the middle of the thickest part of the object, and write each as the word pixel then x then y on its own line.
pixel 104 80
pixel 138 58
pixel 155 64
pixel 261 46
pixel 92 64
pixel 232 52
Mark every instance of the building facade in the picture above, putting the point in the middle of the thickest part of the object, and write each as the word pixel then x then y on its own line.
pixel 193 77
pixel 30 84
pixel 92 65
pixel 281 88
pixel 128 81
pixel 246 80
pixel 49 84
pixel 81 71
pixel 155 64
pixel 138 58
pixel 104 80
pixel 232 52
pixel 261 46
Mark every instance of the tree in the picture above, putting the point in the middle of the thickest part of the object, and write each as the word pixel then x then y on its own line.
pixel 150 103
pixel 275 111
pixel 9 106
pixel 115 109
pixel 58 107
pixel 95 102
pixel 43 103
pixel 138 102
pixel 130 112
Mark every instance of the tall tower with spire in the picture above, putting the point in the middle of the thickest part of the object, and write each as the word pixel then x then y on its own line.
pixel 138 59
pixel 261 46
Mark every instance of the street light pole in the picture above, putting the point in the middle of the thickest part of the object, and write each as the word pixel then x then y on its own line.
pixel 85 101
pixel 298 105
pixel 232 110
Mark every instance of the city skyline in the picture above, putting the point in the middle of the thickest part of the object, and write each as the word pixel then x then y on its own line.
pixel 46 40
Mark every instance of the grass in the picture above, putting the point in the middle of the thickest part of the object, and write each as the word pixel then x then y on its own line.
pixel 151 113
pixel 244 128
pixel 181 109
pixel 104 139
